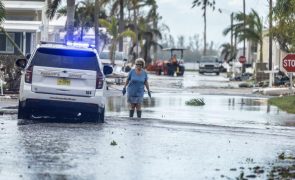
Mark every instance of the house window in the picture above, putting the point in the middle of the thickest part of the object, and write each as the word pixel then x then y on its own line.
pixel 6 46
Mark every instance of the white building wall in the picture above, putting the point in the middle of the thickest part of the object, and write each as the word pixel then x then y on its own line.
pixel 40 27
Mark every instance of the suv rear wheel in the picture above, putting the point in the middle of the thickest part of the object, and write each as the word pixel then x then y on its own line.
pixel 96 117
pixel 23 113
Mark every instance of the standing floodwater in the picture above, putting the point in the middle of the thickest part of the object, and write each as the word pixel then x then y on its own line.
pixel 222 110
pixel 235 135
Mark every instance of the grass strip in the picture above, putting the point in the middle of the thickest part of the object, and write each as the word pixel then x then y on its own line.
pixel 285 103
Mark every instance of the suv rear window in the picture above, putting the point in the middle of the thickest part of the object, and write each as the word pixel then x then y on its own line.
pixel 65 58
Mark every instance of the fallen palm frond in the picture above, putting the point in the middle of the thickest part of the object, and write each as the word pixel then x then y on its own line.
pixel 195 102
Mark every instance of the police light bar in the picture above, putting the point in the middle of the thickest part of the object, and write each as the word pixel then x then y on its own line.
pixel 80 44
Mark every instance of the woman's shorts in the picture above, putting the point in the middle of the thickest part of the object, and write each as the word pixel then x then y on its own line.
pixel 134 100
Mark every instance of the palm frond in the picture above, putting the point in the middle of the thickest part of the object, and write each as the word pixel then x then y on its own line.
pixel 61 12
pixel 2 12
pixel 105 23
pixel 115 7
pixel 52 8
pixel 128 33
pixel 154 43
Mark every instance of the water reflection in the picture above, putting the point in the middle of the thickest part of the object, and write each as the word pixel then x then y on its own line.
pixel 219 110
pixel 50 151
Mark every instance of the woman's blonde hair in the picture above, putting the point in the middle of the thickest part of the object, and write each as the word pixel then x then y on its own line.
pixel 140 60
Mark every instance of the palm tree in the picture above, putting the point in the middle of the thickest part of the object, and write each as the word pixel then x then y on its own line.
pixel 154 17
pixel 119 4
pixel 228 52
pixel 253 29
pixel 84 15
pixel 283 31
pixel 112 28
pixel 97 10
pixel 2 12
pixel 147 37
pixel 204 4
pixel 52 9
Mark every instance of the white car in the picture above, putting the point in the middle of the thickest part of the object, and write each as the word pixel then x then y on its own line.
pixel 209 64
pixel 63 80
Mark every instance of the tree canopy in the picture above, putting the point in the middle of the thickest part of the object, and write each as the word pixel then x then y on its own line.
pixel 283 31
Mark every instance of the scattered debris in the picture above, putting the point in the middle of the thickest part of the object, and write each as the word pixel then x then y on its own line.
pixel 245 85
pixel 233 169
pixel 195 102
pixel 251 176
pixel 114 143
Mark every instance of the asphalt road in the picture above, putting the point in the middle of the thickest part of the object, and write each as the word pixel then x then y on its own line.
pixel 156 146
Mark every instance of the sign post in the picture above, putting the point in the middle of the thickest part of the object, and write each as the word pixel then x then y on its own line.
pixel 271 76
pixel 289 66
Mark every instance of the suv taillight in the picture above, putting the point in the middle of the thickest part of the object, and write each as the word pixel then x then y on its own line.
pixel 29 74
pixel 99 80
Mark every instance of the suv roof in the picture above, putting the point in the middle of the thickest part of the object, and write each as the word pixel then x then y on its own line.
pixel 72 46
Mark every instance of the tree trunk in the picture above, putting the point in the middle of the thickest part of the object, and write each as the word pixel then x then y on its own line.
pixel 12 42
pixel 96 25
pixel 121 24
pixel 244 42
pixel 205 31
pixel 231 34
pixel 155 48
pixel 261 52
pixel 270 35
pixel 113 51
pixel 82 33
pixel 70 19
pixel 136 32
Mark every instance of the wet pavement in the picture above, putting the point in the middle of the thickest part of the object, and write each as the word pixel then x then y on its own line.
pixel 234 135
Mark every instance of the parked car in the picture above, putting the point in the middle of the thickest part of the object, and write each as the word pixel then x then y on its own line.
pixel 63 80
pixel 209 64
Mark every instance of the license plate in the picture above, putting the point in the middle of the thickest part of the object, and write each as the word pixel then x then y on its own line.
pixel 63 81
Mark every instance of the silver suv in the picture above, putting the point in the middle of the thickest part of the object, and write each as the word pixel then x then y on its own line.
pixel 209 64
pixel 63 80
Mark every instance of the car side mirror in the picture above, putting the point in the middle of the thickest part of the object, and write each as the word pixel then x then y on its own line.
pixel 107 69
pixel 28 56
pixel 22 63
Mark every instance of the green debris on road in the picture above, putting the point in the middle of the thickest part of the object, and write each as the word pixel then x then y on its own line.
pixel 195 102
pixel 114 143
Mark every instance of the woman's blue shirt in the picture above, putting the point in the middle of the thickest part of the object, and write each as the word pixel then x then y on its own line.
pixel 136 83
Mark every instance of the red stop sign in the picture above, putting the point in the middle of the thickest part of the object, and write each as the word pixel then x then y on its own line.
pixel 242 59
pixel 289 63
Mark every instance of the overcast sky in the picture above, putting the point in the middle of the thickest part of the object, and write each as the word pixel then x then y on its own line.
pixel 183 20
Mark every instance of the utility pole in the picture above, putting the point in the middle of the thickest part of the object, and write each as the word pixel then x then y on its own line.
pixel 270 35
pixel 231 34
pixel 96 25
pixel 244 28
pixel 121 24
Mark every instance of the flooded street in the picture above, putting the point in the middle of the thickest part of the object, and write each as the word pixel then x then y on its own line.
pixel 234 135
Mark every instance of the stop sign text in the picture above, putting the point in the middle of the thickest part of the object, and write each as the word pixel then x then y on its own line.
pixel 289 63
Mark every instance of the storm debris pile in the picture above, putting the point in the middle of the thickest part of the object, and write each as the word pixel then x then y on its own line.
pixel 195 102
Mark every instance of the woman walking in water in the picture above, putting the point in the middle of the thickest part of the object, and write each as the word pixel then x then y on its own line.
pixel 137 79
